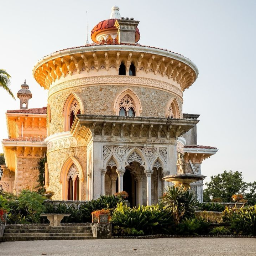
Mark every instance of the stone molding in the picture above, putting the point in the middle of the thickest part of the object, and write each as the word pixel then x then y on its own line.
pixel 117 80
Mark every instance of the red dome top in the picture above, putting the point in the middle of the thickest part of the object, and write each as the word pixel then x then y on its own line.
pixel 109 25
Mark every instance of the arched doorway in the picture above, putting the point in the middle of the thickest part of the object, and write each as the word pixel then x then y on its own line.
pixel 132 179
pixel 73 183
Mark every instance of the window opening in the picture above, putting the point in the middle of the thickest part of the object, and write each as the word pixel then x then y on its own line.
pixel 122 69
pixel 132 70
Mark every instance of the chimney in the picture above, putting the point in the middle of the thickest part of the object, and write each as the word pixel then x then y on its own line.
pixel 126 30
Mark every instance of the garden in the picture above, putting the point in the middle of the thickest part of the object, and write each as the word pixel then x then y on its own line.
pixel 177 214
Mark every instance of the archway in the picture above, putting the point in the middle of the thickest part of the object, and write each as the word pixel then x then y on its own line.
pixel 132 179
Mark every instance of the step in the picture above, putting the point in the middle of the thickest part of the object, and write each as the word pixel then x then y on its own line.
pixel 46 235
pixel 50 230
pixel 30 238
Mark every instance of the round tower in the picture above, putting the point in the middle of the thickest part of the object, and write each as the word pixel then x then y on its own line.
pixel 24 94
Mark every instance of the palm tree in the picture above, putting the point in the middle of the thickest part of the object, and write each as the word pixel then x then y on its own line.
pixel 5 81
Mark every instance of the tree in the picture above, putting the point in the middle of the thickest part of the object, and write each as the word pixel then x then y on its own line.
pixel 5 81
pixel 2 160
pixel 225 185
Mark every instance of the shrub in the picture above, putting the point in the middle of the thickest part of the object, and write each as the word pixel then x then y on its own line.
pixel 242 221
pixel 180 202
pixel 211 207
pixel 220 231
pixel 144 219
pixel 193 227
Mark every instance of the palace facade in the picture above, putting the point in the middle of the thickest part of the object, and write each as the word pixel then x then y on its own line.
pixel 113 121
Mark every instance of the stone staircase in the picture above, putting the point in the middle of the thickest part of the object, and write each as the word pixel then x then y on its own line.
pixel 45 232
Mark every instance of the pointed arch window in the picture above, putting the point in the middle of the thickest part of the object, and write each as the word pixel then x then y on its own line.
pixel 72 110
pixel 127 106
pixel 173 110
pixel 73 183
pixel 132 70
pixel 122 69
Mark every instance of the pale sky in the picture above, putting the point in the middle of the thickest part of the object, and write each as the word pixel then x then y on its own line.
pixel 218 36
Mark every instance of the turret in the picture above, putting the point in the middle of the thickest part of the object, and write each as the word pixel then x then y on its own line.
pixel 24 94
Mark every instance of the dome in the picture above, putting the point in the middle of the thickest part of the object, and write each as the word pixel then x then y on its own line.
pixel 24 89
pixel 108 27
pixel 106 31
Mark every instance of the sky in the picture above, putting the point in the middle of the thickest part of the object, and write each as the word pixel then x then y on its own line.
pixel 218 36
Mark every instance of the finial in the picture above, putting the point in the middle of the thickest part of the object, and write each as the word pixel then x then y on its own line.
pixel 25 81
pixel 115 14
pixel 87 38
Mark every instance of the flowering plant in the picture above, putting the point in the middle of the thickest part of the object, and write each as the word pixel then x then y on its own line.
pixel 122 194
pixel 2 215
pixel 238 198
pixel 98 212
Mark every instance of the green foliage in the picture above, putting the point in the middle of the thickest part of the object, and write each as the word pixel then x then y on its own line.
pixel 225 185
pixel 193 227
pixel 242 221
pixel 25 208
pixel 144 219
pixel 250 193
pixel 82 212
pixel 211 207
pixel 5 81
pixel 41 175
pixel 2 160
pixel 180 202
pixel 220 231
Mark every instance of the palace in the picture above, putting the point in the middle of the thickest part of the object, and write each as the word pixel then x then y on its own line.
pixel 113 120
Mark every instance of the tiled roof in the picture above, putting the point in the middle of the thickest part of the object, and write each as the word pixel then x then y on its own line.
pixel 31 139
pixel 199 146
pixel 109 24
pixel 93 44
pixel 30 111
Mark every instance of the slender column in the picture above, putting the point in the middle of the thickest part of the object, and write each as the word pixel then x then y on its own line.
pixel 113 183
pixel 103 174
pixel 120 179
pixel 166 183
pixel 148 174
pixel 139 179
pixel 89 186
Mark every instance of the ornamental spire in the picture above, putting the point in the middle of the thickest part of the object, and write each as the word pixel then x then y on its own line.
pixel 115 14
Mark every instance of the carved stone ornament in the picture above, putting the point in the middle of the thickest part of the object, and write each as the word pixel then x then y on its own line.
pixel 61 144
pixel 73 172
pixel 126 102
pixel 134 157
pixel 157 164
pixel 163 154
pixel 111 163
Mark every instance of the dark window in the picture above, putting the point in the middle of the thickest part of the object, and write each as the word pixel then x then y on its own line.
pixel 122 69
pixel 72 117
pixel 131 112
pixel 122 112
pixel 132 70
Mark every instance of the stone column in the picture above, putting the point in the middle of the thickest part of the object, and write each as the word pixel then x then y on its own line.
pixel 88 196
pixel 148 175
pixel 113 183
pixel 103 173
pixel 120 179
pixel 139 179
pixel 166 183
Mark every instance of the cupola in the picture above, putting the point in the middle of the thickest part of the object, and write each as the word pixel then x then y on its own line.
pixel 116 30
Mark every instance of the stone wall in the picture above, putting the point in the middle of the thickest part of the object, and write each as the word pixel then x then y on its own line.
pixel 100 100
pixel 26 174
pixel 7 180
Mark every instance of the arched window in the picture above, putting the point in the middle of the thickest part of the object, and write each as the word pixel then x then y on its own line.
pixel 73 111
pixel 132 70
pixel 126 106
pixel 173 110
pixel 73 183
pixel 122 69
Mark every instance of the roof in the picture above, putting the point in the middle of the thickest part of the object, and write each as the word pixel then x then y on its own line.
pixel 30 111
pixel 109 25
pixel 199 146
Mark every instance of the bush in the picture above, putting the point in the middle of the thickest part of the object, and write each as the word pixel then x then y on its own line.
pixel 180 202
pixel 211 207
pixel 25 208
pixel 220 231
pixel 193 227
pixel 82 213
pixel 242 221
pixel 141 220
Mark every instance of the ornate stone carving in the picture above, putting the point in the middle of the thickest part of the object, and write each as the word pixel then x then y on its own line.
pixel 157 164
pixel 73 172
pixel 62 143
pixel 163 154
pixel 111 163
pixel 134 157
pixel 136 81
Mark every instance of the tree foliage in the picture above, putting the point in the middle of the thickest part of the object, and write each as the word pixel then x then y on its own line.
pixel 5 81
pixel 2 160
pixel 223 186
